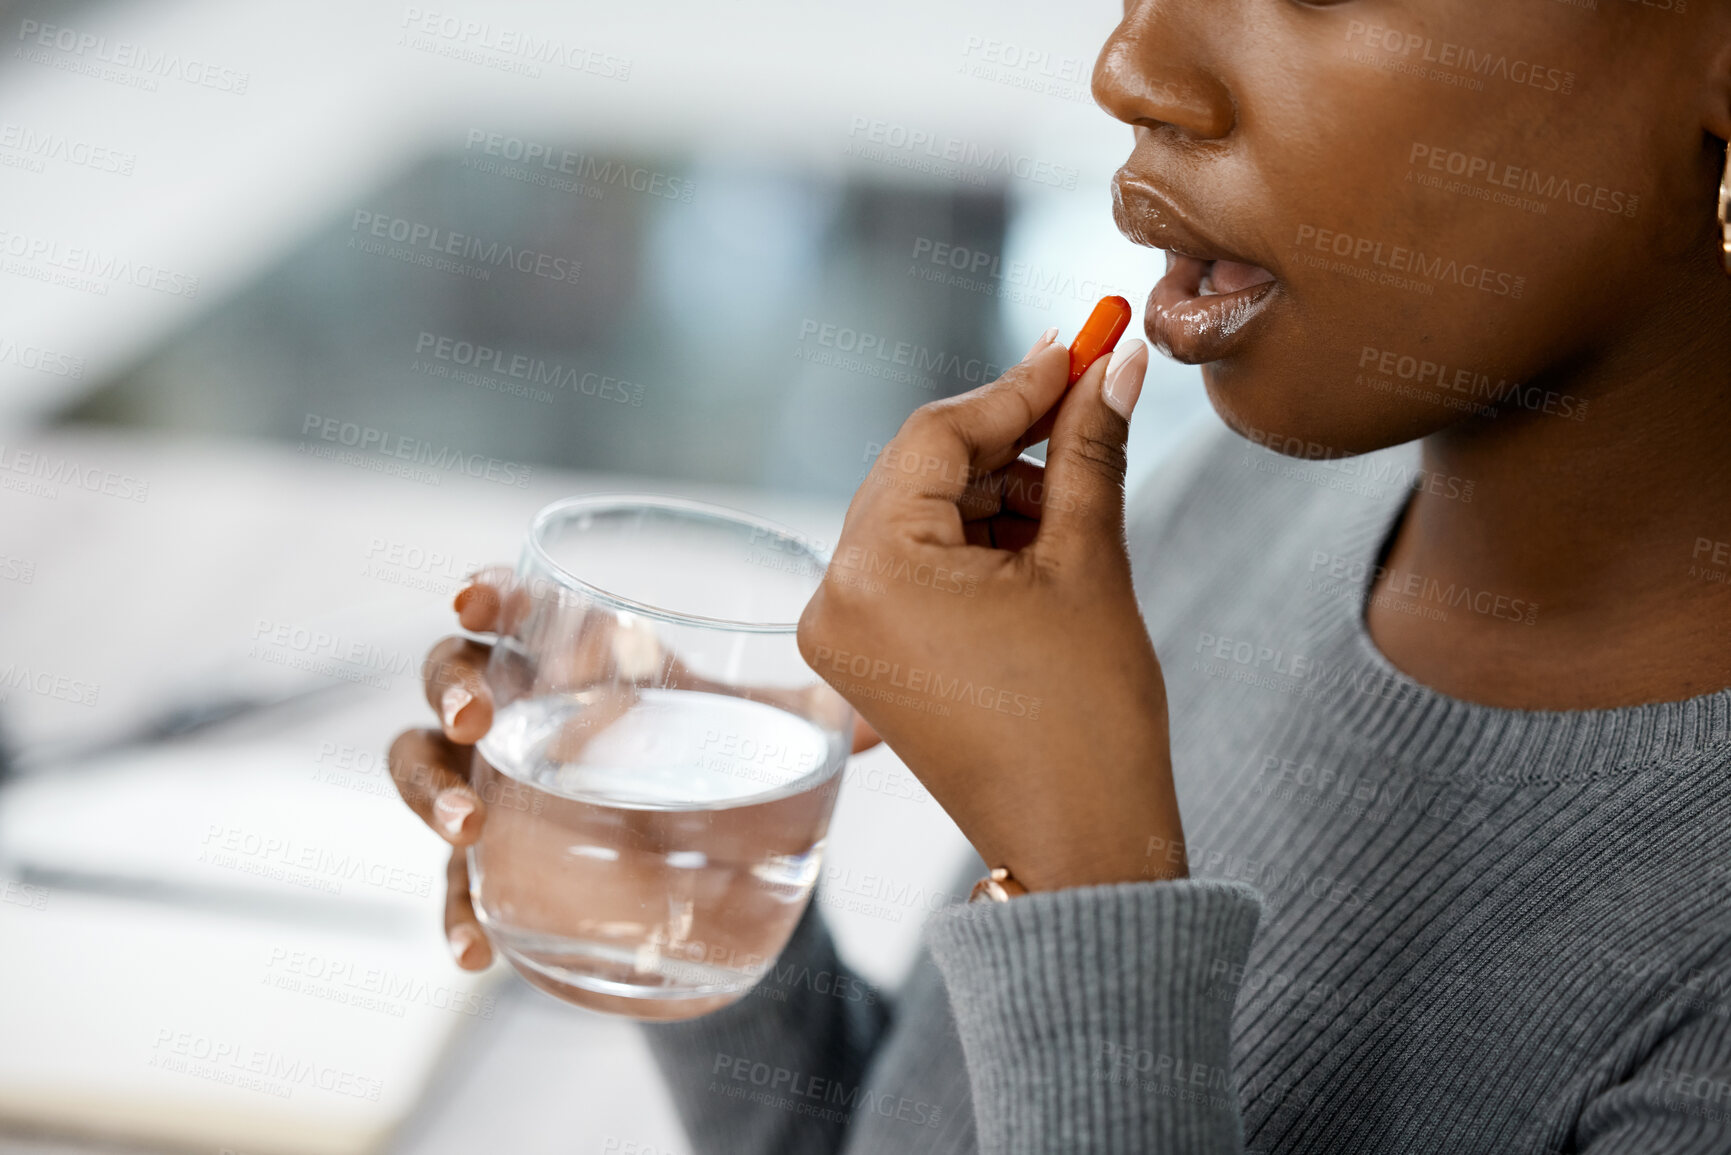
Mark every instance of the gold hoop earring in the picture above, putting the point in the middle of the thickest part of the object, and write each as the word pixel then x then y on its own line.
pixel 1725 214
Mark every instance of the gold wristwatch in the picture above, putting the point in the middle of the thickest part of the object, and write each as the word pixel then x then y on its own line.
pixel 997 886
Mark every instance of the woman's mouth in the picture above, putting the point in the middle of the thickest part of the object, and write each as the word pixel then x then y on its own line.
pixel 1200 308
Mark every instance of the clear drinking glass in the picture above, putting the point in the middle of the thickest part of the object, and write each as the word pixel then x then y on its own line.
pixel 662 764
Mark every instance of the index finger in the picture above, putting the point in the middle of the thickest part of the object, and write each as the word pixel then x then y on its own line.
pixel 922 475
pixel 491 602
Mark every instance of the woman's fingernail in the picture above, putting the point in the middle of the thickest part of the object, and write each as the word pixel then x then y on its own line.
pixel 1124 374
pixel 466 944
pixel 452 809
pixel 451 703
pixel 462 599
pixel 1046 338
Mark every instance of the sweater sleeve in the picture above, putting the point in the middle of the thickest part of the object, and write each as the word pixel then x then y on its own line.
pixel 1678 1099
pixel 1089 1021
pixel 773 1073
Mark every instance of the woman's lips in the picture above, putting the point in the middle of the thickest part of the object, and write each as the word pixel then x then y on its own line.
pixel 1199 309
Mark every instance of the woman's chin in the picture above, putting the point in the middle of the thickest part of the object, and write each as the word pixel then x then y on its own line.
pixel 1281 410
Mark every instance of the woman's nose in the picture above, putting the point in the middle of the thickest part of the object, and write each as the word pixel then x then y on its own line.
pixel 1153 71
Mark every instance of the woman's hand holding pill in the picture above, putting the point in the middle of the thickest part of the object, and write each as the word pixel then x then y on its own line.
pixel 979 614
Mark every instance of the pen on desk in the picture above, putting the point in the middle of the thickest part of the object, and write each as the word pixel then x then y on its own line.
pixel 177 720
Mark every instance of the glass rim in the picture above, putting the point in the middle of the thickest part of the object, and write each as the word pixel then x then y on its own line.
pixel 686 507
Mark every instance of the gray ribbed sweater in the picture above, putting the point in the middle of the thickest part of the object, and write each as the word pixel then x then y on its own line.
pixel 1413 924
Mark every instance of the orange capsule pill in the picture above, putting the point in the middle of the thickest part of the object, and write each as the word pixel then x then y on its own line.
pixel 1099 334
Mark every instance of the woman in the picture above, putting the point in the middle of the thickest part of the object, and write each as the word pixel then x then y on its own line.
pixel 1412 842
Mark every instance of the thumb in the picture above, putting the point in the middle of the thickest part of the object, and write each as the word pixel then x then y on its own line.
pixel 1083 506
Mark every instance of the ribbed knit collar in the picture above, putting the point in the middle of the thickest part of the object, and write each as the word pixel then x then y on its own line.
pixel 1396 718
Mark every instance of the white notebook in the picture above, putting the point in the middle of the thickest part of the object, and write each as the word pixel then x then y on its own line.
pixel 220 946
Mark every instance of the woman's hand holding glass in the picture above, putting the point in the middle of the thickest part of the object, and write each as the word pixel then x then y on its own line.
pixel 431 767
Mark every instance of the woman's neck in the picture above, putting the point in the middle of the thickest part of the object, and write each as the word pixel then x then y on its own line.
pixel 1592 566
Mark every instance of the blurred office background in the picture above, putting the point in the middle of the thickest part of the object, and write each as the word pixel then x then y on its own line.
pixel 266 271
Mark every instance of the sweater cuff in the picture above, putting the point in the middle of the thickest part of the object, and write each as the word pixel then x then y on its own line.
pixel 1098 1019
pixel 810 1022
